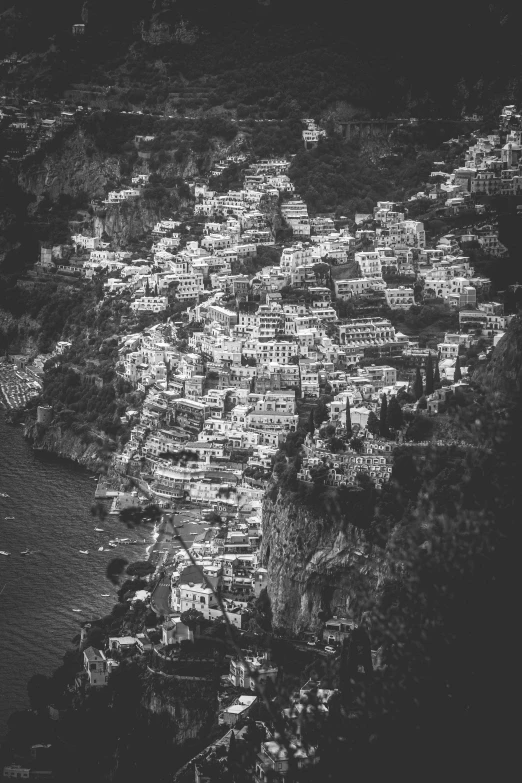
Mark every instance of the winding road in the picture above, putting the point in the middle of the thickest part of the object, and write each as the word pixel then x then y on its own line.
pixel 159 600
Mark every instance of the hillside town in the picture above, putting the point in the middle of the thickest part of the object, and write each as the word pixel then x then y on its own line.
pixel 275 339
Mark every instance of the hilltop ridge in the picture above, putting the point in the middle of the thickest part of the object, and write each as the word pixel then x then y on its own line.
pixel 245 53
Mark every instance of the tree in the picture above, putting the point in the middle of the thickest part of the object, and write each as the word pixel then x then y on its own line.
pixel 311 425
pixel 192 618
pixel 232 753
pixel 348 419
pixel 436 377
pixel 417 386
pixel 319 473
pixel 394 419
pixel 39 691
pixel 457 375
pixel 421 428
pixel 356 443
pixel 320 413
pixel 373 425
pixel 336 445
pixel 383 424
pixel 140 568
pixel 429 376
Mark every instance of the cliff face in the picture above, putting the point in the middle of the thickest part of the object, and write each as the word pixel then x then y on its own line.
pixel 502 375
pixel 192 705
pixel 128 221
pixel 64 443
pixel 315 563
pixel 71 170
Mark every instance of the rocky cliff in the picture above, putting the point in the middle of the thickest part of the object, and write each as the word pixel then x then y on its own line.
pixel 73 168
pixel 318 566
pixel 502 375
pixel 129 221
pixel 192 705
pixel 63 442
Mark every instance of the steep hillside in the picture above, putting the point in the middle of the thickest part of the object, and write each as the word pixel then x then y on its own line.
pixel 70 170
pixel 317 565
pixel 502 375
pixel 267 54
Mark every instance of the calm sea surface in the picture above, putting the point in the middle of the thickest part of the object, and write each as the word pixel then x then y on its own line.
pixel 50 500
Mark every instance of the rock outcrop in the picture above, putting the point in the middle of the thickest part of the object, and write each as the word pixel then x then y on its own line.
pixel 63 442
pixel 502 375
pixel 74 168
pixel 128 221
pixel 318 566
pixel 192 705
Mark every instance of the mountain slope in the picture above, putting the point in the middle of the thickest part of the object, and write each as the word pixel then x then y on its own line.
pixel 502 375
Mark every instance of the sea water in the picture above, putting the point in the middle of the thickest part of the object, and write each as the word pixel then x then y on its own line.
pixel 50 500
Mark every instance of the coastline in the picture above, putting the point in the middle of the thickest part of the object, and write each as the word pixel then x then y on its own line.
pixel 49 496
pixel 64 443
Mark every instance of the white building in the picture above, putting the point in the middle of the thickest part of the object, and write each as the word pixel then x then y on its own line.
pixel 346 289
pixel 400 298
pixel 150 304
pixel 370 264
pixel 95 664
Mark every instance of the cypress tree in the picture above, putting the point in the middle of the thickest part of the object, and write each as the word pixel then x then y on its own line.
pixel 231 756
pixel 417 386
pixel 383 425
pixel 436 377
pixel 372 425
pixel 348 419
pixel 457 375
pixel 394 420
pixel 429 376
pixel 311 425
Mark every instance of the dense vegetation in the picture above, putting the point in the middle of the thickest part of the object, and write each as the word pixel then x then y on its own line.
pixel 269 57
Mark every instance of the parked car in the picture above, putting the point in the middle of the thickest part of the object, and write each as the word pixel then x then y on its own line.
pixel 311 644
pixel 330 649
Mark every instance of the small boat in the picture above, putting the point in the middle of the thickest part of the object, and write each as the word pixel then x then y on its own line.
pixel 100 549
pixel 4 495
pixel 105 595
pixel 111 543
pixel 3 552
pixel 99 530
pixel 26 552
pixel 83 551
pixel 8 517
pixel 77 610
